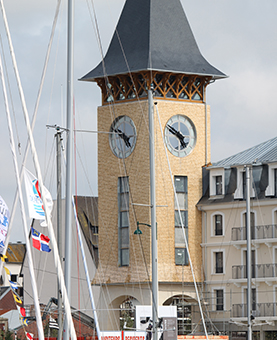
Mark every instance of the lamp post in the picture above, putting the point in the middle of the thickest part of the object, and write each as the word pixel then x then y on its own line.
pixel 138 231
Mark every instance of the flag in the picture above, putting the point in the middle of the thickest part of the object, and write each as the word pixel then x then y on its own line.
pixel 13 284
pixel 4 258
pixel 53 323
pixel 4 223
pixel 21 311
pixel 7 271
pixel 35 205
pixel 40 241
pixel 25 321
pixel 17 299
pixel 29 336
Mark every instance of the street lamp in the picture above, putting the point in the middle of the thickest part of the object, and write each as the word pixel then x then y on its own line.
pixel 138 231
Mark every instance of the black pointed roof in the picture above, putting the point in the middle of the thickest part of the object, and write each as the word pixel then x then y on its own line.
pixel 155 35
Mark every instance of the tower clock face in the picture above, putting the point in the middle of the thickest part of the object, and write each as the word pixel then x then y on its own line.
pixel 123 136
pixel 180 135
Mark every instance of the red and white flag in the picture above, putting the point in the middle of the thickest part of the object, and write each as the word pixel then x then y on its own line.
pixel 35 205
pixel 29 336
pixel 21 311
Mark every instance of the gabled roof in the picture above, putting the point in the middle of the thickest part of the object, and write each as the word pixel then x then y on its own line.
pixel 154 35
pixel 6 300
pixel 265 152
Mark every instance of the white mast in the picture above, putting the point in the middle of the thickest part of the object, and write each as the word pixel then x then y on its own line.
pixel 69 149
pixel 248 234
pixel 39 175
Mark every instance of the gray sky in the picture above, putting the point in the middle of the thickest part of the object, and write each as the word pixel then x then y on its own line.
pixel 238 37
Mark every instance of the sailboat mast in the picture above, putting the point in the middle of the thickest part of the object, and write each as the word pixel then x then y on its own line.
pixel 248 233
pixel 153 216
pixel 59 224
pixel 69 150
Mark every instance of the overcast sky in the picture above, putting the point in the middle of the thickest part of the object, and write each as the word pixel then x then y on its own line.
pixel 237 37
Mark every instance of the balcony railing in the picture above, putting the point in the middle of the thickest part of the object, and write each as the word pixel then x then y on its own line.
pixel 258 232
pixel 257 271
pixel 258 310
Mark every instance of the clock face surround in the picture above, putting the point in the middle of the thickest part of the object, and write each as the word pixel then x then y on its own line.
pixel 122 136
pixel 180 135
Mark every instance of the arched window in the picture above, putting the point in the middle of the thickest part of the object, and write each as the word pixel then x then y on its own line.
pixel 217 223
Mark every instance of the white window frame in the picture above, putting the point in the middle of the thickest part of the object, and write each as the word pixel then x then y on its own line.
pixel 214 289
pixel 213 224
pixel 239 191
pixel 213 262
pixel 213 174
pixel 270 190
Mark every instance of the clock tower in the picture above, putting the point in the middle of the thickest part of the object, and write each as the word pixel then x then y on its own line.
pixel 153 47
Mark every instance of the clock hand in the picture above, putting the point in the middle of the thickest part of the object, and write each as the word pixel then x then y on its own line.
pixel 178 134
pixel 123 136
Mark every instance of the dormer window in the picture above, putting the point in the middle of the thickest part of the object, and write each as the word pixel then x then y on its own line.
pixel 240 192
pixel 218 185
pixel 216 182
pixel 271 189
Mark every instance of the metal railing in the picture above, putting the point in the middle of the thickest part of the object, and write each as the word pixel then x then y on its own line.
pixel 258 232
pixel 258 310
pixel 258 271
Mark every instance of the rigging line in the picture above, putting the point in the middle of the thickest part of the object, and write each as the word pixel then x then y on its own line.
pixel 10 95
pixel 76 204
pixel 126 172
pixel 89 131
pixel 50 101
pixel 235 206
pixel 41 254
pixel 22 206
pixel 86 270
pixel 166 191
pixel 27 149
pixel 101 272
pixel 126 62
pixel 111 105
pixel 183 229
pixel 39 174
pixel 50 163
pixel 260 214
